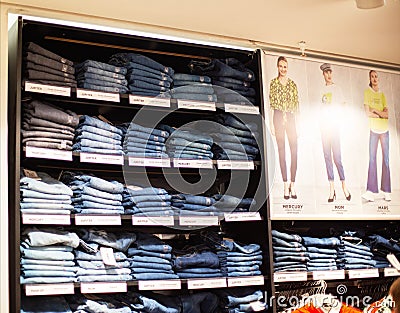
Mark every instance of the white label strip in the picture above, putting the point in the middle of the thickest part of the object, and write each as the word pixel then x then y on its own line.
pixel 235 165
pixel 196 105
pixel 286 276
pixel 393 260
pixel 101 158
pixel 206 283
pixel 87 219
pixel 242 216
pixel 48 89
pixel 153 220
pixel 326 275
pixel 43 153
pixel 170 284
pixel 104 287
pixel 165 162
pixel 198 220
pixel 241 108
pixel 391 271
pixel 149 101
pixel 46 219
pixel 97 95
pixel 364 273
pixel 193 163
pixel 49 289
pixel 245 281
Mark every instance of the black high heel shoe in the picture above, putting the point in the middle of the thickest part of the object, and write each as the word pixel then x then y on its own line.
pixel 333 197
pixel 286 197
pixel 348 197
pixel 293 196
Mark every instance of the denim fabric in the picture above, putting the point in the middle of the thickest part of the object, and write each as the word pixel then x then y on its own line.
pixel 321 262
pixel 232 81
pixel 98 73
pixel 226 129
pixel 49 129
pixel 345 244
pixel 46 255
pixel 347 254
pixel 294 268
pixel 321 250
pixel 228 201
pixel 24 261
pixel 233 86
pixel 143 259
pixel 354 250
pixel 160 267
pixel 85 85
pixel 284 249
pixel 124 58
pixel 153 205
pixel 148 93
pixel 235 98
pixel 201 302
pixel 176 141
pixel 288 244
pixel 150 80
pixel 104 78
pixel 241 148
pixel 38 238
pixel 97 265
pixel 95 205
pixel 108 271
pixel 314 256
pixel 94 182
pixel 151 198
pixel 102 82
pixel 47 143
pixel 94 278
pixel 46 185
pixel 140 303
pixel 188 134
pixel 26 245
pixel 31 134
pixel 48 201
pixel 379 243
pixel 232 121
pixel 150 242
pixel 291 258
pixel 238 274
pixel 99 65
pixel 191 78
pixel 119 241
pixel 321 268
pixel 95 122
pixel 355 261
pixel 86 190
pixel 132 84
pixel 201 259
pixel 45 61
pixel 91 130
pixel 80 255
pixel 35 48
pixel 145 136
pixel 140 142
pixel 201 88
pixel 135 128
pixel 146 191
pixel 113 211
pixel 293 253
pixel 46 211
pixel 47 280
pixel 97 138
pixel 29 121
pixel 31 74
pixel 198 275
pixel 194 96
pixel 187 198
pixel 96 144
pixel 31 194
pixel 317 242
pixel 46 273
pixel 138 252
pixel 47 304
pixel 138 70
pixel 332 150
pixel 141 147
pixel 200 270
pixel 95 307
pixel 84 197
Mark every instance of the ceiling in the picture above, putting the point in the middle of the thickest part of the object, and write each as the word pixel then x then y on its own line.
pixel 332 26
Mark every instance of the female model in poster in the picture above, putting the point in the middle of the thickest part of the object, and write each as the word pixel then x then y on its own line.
pixel 284 104
pixel 378 114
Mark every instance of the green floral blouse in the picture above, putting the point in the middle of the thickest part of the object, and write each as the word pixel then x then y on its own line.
pixel 283 98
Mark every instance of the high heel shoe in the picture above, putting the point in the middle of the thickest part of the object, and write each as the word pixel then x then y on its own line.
pixel 333 197
pixel 286 197
pixel 348 197
pixel 291 194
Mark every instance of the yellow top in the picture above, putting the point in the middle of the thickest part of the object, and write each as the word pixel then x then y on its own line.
pixel 376 100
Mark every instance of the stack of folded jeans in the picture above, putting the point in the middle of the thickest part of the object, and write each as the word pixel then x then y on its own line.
pixel 140 141
pixel 46 67
pixel 354 255
pixel 193 205
pixel 381 247
pixel 46 256
pixel 101 76
pixel 196 261
pixel 186 143
pixel 234 140
pixel 146 77
pixel 95 136
pixel 101 303
pixel 94 195
pixel 47 126
pixel 44 195
pixel 289 252
pixel 193 87
pixel 322 253
pixel 150 258
pixel 232 75
pixel 96 270
pixel 148 201
pixel 228 203
pixel 241 300
pixel 45 304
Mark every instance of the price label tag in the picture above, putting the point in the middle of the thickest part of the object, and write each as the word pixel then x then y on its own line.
pixel 107 255
pixel 327 275
pixel 150 101
pixel 391 271
pixel 87 219
pixel 245 281
pixel 49 289
pixel 104 287
pixel 97 95
pixel 393 260
pixel 170 284
pixel 198 220
pixel 206 283
pixel 235 165
pixel 196 105
pixel 288 276
pixel 48 89
pixel 242 216
pixel 154 162
pixel 46 219
pixel 193 163
pixel 43 153
pixel 153 220
pixel 102 158
pixel 241 108
pixel 364 273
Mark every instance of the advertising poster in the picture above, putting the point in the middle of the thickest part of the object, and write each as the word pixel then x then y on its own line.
pixel 335 150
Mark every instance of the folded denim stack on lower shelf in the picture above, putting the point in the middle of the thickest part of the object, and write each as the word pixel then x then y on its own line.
pixel 98 270
pixel 45 125
pixel 381 247
pixel 150 258
pixel 289 252
pixel 193 87
pixel 232 75
pixel 241 300
pixel 94 195
pixel 234 140
pixel 46 67
pixel 46 256
pixel 146 77
pixel 96 136
pixel 193 205
pixel 322 253
pixel 148 201
pixel 354 255
pixel 141 141
pixel 228 203
pixel 187 143
pixel 100 76
pixel 44 195
pixel 196 261
pixel 45 304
